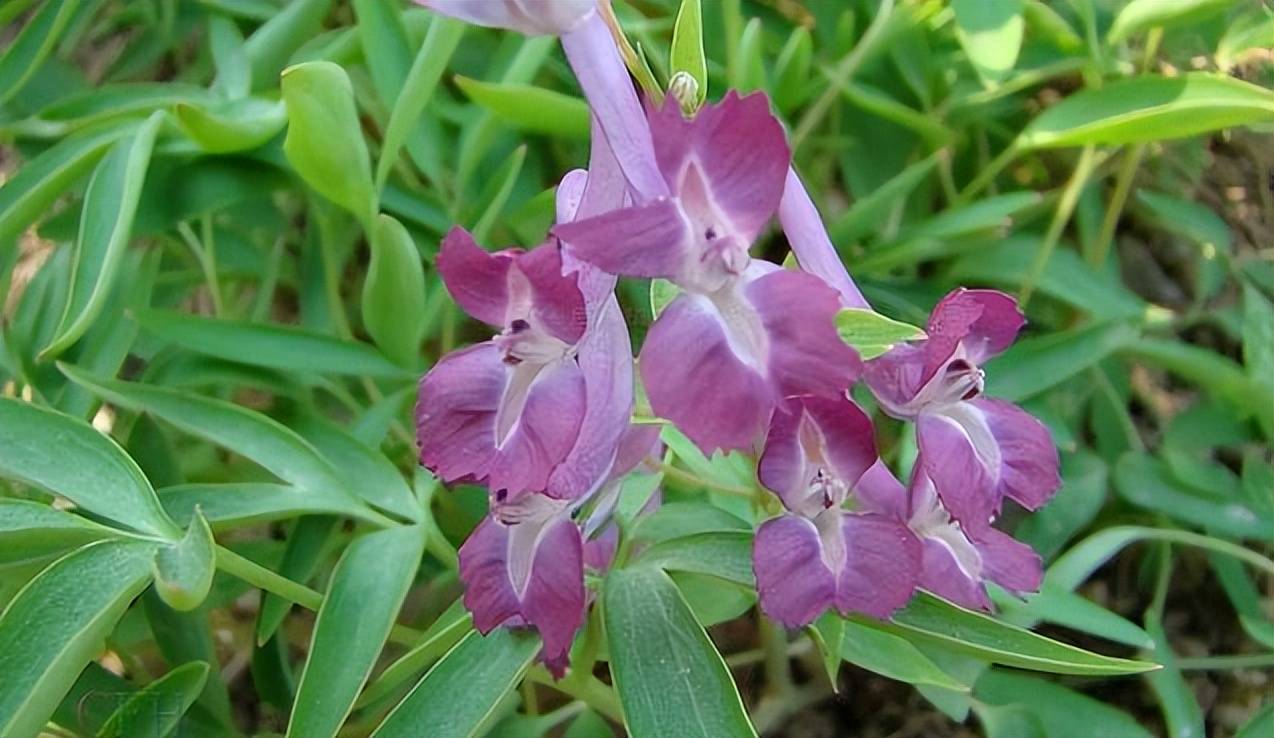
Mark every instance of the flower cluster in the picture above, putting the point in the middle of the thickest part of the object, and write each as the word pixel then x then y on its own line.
pixel 746 358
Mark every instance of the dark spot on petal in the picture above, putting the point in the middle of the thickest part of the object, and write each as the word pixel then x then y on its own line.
pixel 512 360
pixel 959 366
pixel 501 495
pixel 710 234
pixel 972 393
pixel 519 325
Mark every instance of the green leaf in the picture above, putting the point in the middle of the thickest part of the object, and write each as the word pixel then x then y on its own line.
pixel 1044 21
pixel 1076 504
pixel 239 504
pixel 271 45
pixel 686 56
pixel 1061 712
pixel 1213 372
pixel 394 292
pixel 68 457
pixel 237 125
pixel 871 333
pixel 106 224
pixel 726 555
pixel 681 519
pixel 868 212
pixel 431 61
pixel 497 192
pixel 30 530
pixel 325 142
pixel 1141 15
pixel 229 56
pixel 1147 482
pixel 269 345
pixel 459 695
pixel 528 108
pixel 183 570
pixel 57 624
pixel 1260 725
pixel 445 633
pixel 991 35
pixel 670 678
pixel 1258 336
pixel 308 542
pixel 1036 364
pixel 1181 712
pixel 1245 598
pixel 1070 610
pixel 153 712
pixel 934 621
pixel 367 590
pixel 1149 108
pixel 365 470
pixel 792 70
pixel 894 657
pixel 40 181
pixel 26 53
pixel 828 633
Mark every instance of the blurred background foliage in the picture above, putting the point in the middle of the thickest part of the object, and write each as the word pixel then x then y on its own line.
pixel 203 241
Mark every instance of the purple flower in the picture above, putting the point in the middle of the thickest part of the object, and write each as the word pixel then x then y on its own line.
pixel 532 17
pixel 819 555
pixel 975 450
pixel 742 334
pixel 506 411
pixel 956 563
pixel 810 243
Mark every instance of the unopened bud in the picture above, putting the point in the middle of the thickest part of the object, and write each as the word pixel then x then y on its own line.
pixel 684 88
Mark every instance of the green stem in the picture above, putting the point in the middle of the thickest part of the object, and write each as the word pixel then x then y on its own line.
pixel 210 268
pixel 1118 198
pixel 682 475
pixel 778 667
pixel 1236 661
pixel 1061 216
pixel 584 687
pixel 988 173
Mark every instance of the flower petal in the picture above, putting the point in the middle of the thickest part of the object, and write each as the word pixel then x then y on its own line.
pixel 1008 562
pixel 942 575
pixel 484 569
pixel 792 581
pixel 531 17
pixel 740 148
pixel 806 354
pixel 985 322
pixel 693 378
pixel 783 467
pixel 895 377
pixel 964 481
pixel 556 300
pixel 648 240
pixel 848 435
pixel 554 600
pixel 808 239
pixel 478 280
pixel 1028 470
pixel 542 434
pixel 456 412
pixel 882 565
pixel 879 491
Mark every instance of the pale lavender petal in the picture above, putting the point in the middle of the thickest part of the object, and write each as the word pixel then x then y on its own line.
pixel 694 378
pixel 648 240
pixel 554 600
pixel 848 435
pixel 793 582
pixel 963 480
pixel 806 354
pixel 783 467
pixel 542 433
pixel 942 575
pixel 603 189
pixel 1028 471
pixel 532 17
pixel 739 148
pixel 556 300
pixel 882 565
pixel 456 412
pixel 880 491
pixel 1008 562
pixel 484 569
pixel 606 364
pixel 809 241
pixel 477 279
pixel 639 443
pixel 569 195
pixel 602 75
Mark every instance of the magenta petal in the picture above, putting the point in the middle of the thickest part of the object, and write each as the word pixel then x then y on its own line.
pixel 985 322
pixel 1008 562
pixel 599 553
pixel 1028 458
pixel 543 432
pixel 895 377
pixel 477 279
pixel 554 599
pixel 456 412
pixel 644 241
pixel 484 569
pixel 741 150
pixel 595 60
pixel 693 378
pixel 792 580
pixel 963 482
pixel 783 467
pixel 556 300
pixel 882 565
pixel 848 435
pixel 606 365
pixel 809 241
pixel 806 355
pixel 532 17
pixel 880 491
pixel 941 574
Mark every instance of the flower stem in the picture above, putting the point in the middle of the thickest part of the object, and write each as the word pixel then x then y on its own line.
pixel 1061 216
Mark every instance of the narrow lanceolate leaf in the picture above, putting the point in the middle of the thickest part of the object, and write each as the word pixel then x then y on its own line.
pixel 68 457
pixel 269 345
pixel 873 334
pixel 324 142
pixel 27 52
pixel 530 108
pixel 307 543
pixel 1036 364
pixel 270 46
pixel 931 620
pixel 235 125
pixel 892 656
pixel 57 624
pixel 991 35
pixel 367 589
pixel 1060 711
pixel 394 292
pixel 238 504
pixel 687 53
pixel 1150 108
pixel 721 554
pixel 451 626
pixel 29 530
pixel 183 570
pixel 229 56
pixel 365 470
pixel 106 224
pixel 155 710
pixel 457 698
pixel 670 678
pixel 1142 15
